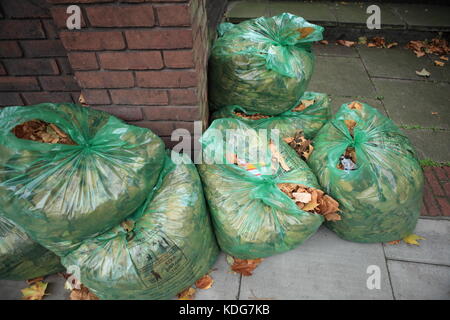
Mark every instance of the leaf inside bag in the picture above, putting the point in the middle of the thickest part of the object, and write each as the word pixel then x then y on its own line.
pixel 41 131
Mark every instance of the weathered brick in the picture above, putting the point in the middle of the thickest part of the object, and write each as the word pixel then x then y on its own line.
pixel 110 79
pixel 139 97
pixel 159 38
pixel 174 15
pixel 25 9
pixel 440 173
pixel 58 83
pixel 423 210
pixel 60 16
pixel 10 99
pixel 21 29
pixel 83 60
pixel 64 65
pixel 43 48
pixel 42 97
pixel 96 96
pixel 430 202
pixel 165 128
pixel 445 206
pixel 138 60
pixel 166 79
pixel 50 29
pixel 187 113
pixel 2 70
pixel 116 16
pixel 92 40
pixel 18 83
pixel 433 182
pixel 178 59
pixel 184 97
pixel 447 188
pixel 78 1
pixel 124 113
pixel 10 49
pixel 25 67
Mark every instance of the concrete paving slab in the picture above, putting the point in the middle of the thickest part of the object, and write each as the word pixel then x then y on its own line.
pixel 397 63
pixel 10 290
pixel 426 16
pixel 243 10
pixel 439 73
pixel 337 102
pixel 332 49
pixel 355 13
pixel 341 76
pixel 419 281
pixel 435 249
pixel 313 12
pixel 226 283
pixel 430 144
pixel 414 102
pixel 324 267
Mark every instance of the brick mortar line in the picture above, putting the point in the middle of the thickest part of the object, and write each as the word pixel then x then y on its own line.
pixel 419 262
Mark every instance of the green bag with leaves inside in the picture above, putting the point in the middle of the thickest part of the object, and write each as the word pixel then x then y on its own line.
pixel 20 257
pixel 362 159
pixel 263 198
pixel 159 251
pixel 263 65
pixel 84 172
pixel 309 116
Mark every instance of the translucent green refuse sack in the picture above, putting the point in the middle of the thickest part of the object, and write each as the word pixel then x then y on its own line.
pixel 252 217
pixel 161 250
pixel 20 257
pixel 380 200
pixel 263 65
pixel 61 194
pixel 310 119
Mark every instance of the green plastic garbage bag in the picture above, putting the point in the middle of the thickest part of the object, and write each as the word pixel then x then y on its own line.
pixel 263 65
pixel 380 200
pixel 61 194
pixel 252 217
pixel 310 119
pixel 20 257
pixel 169 244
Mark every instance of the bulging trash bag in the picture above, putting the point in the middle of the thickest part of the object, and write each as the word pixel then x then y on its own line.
pixel 61 194
pixel 160 250
pixel 363 160
pixel 252 217
pixel 263 65
pixel 309 116
pixel 20 257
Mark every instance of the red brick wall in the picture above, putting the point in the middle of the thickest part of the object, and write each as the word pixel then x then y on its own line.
pixel 33 62
pixel 143 61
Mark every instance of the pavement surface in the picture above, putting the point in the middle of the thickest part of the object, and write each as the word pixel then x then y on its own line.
pixel 325 266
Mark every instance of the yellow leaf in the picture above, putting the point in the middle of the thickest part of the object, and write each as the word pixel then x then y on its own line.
pixel 412 239
pixel 35 291
pixel 187 294
pixel 304 32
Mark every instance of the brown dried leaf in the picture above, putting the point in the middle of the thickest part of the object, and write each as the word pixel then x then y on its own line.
pixel 245 266
pixel 34 292
pixel 34 280
pixel 278 156
pixel 346 43
pixel 204 282
pixel 443 58
pixel 439 63
pixel 82 294
pixel 188 294
pixel 391 45
pixel 325 42
pixel 394 242
pixel 256 116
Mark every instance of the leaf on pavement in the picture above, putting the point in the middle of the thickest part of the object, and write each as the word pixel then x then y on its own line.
pixel 245 266
pixel 443 58
pixel 423 73
pixel 439 63
pixel 82 294
pixel 188 294
pixel 346 43
pixel 394 242
pixel 325 42
pixel 204 282
pixel 34 292
pixel 412 239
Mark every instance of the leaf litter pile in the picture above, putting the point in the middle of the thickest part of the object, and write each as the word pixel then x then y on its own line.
pixel 41 131
pixel 300 144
